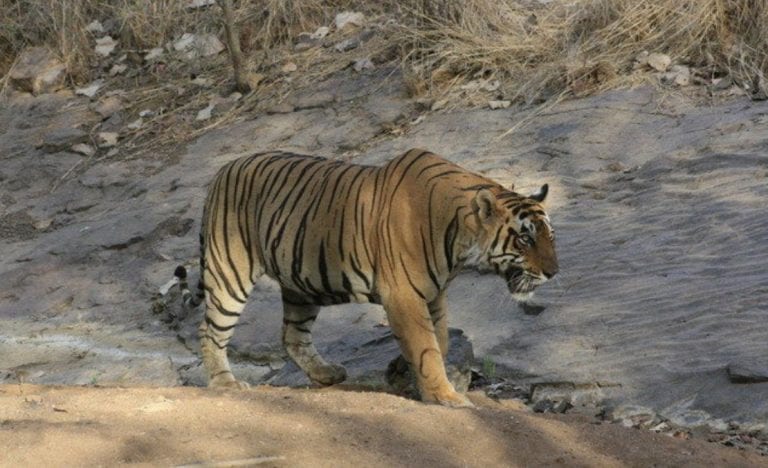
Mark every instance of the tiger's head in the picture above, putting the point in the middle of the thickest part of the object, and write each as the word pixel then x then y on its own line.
pixel 516 239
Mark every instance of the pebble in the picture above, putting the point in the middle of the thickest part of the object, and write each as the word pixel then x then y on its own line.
pixel 347 44
pixel 363 64
pixel 90 90
pixel 38 71
pixel 82 148
pixel 499 104
pixel 62 138
pixel 659 62
pixel 105 45
pixel 107 139
pixel 349 18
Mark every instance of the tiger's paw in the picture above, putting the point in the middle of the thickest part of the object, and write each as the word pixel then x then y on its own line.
pixel 453 399
pixel 227 381
pixel 328 374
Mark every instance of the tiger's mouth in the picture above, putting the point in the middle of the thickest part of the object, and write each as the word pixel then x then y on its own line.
pixel 521 283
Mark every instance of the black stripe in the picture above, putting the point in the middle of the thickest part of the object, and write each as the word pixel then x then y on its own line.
pixel 219 328
pixel 408 277
pixel 496 238
pixel 449 239
pixel 431 273
pixel 477 187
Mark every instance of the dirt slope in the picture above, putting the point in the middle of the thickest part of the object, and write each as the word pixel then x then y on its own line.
pixel 55 426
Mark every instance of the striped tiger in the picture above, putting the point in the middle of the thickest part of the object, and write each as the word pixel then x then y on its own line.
pixel 330 232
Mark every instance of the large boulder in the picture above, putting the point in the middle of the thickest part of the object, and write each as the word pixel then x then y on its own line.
pixel 38 71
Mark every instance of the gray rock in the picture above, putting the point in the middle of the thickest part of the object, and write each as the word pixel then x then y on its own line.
pixel 747 373
pixel 347 44
pixel 108 106
pixel 373 360
pixel 38 71
pixel 61 139
pixel 659 62
pixel 305 41
pixel 574 393
pixel 633 416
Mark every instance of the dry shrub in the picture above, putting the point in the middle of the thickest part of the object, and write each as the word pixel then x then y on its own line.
pixel 267 23
pixel 58 24
pixel 144 24
pixel 545 50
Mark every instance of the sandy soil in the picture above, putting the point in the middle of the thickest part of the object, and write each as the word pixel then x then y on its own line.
pixel 55 426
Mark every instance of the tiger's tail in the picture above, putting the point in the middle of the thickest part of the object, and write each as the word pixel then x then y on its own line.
pixel 188 299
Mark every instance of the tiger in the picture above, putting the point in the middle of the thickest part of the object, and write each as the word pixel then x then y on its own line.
pixel 333 232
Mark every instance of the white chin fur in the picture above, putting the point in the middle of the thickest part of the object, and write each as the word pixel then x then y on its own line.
pixel 522 297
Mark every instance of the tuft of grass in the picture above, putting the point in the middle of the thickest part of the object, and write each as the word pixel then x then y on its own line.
pixel 489 368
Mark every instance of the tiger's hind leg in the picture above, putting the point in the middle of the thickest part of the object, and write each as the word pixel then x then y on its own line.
pixel 222 312
pixel 297 340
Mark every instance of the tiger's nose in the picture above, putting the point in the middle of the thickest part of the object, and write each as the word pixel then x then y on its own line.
pixel 551 272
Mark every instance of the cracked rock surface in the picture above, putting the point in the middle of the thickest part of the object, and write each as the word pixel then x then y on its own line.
pixel 659 207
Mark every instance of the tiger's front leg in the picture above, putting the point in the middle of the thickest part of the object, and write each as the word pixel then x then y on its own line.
pixel 297 340
pixel 411 322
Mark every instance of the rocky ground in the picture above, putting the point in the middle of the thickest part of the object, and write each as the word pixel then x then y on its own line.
pixel 658 200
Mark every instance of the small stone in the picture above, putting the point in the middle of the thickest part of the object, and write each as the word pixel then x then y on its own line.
pixel 154 54
pixel 320 32
pixel 349 18
pixel 82 148
pixel 62 139
pixel 661 427
pixel 106 139
pixel 642 58
pixel 205 113
pixel 194 46
pixel 196 4
pixel 491 85
pixel 38 71
pixel 499 104
pixel 95 27
pixel 305 41
pixel 363 64
pixel 105 45
pixel 108 106
pixel 136 124
pixel 747 373
pixel 633 416
pixel 678 75
pixel 112 152
pixel 439 104
pixel 347 44
pixel 147 113
pixel 43 224
pixel 90 90
pixel 185 42
pixel 254 79
pixel 114 123
pixel 289 67
pixel 117 69
pixel 659 62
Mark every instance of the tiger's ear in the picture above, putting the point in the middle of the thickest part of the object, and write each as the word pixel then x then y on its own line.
pixel 541 194
pixel 484 205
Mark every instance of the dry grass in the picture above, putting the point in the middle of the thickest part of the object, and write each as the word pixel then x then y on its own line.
pixel 581 46
pixel 536 52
